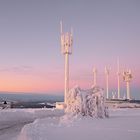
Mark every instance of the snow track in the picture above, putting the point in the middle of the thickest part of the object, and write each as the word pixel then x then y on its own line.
pixel 13 120
pixel 12 129
pixel 123 124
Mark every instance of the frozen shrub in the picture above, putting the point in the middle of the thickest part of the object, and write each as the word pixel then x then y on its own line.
pixel 87 102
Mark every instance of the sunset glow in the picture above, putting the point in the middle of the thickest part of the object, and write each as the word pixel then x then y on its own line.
pixel 30 52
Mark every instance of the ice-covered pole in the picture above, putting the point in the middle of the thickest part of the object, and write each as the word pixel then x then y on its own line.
pixel 118 78
pixel 95 76
pixel 66 76
pixel 66 49
pixel 107 81
pixel 128 90
pixel 127 77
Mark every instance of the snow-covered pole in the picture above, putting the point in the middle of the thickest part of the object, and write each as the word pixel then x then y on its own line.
pixel 118 78
pixel 66 49
pixel 107 81
pixel 66 75
pixel 128 90
pixel 127 77
pixel 95 76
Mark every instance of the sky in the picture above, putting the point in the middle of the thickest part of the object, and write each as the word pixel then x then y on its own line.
pixel 30 52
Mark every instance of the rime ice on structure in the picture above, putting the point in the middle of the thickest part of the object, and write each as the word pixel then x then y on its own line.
pixel 127 77
pixel 95 76
pixel 118 77
pixel 87 102
pixel 66 49
pixel 107 70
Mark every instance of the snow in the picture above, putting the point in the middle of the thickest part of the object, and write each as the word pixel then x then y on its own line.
pixel 124 105
pixel 19 114
pixel 54 124
pixel 12 120
pixel 89 102
pixel 5 105
pixel 123 124
pixel 60 105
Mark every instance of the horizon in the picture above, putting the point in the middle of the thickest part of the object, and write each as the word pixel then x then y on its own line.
pixel 27 97
pixel 30 51
pixel 134 94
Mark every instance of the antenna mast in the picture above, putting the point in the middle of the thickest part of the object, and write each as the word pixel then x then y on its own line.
pixel 118 77
pixel 127 77
pixel 95 76
pixel 107 70
pixel 66 49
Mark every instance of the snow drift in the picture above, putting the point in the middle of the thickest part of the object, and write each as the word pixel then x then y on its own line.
pixel 124 124
pixel 86 102
pixel 89 103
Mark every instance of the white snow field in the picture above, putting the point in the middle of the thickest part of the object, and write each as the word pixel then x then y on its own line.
pixel 12 120
pixel 123 124
pixel 86 117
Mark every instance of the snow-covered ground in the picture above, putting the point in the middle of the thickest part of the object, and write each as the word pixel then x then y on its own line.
pixel 123 124
pixel 12 120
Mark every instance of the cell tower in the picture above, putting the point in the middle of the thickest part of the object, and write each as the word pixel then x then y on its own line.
pixel 127 77
pixel 66 49
pixel 107 70
pixel 95 76
pixel 118 77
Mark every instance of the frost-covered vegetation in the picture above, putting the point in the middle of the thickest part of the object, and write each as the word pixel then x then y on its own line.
pixel 87 102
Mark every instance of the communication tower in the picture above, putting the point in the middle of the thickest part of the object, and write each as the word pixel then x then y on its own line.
pixel 118 77
pixel 127 77
pixel 66 49
pixel 107 70
pixel 95 76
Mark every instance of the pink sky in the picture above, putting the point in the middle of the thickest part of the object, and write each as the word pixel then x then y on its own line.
pixel 30 56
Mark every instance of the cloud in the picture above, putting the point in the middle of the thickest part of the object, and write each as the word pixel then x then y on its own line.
pixel 17 69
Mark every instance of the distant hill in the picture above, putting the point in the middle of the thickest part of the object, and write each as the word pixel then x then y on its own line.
pixel 29 97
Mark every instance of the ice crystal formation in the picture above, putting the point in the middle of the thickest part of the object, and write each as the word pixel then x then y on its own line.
pixel 87 102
